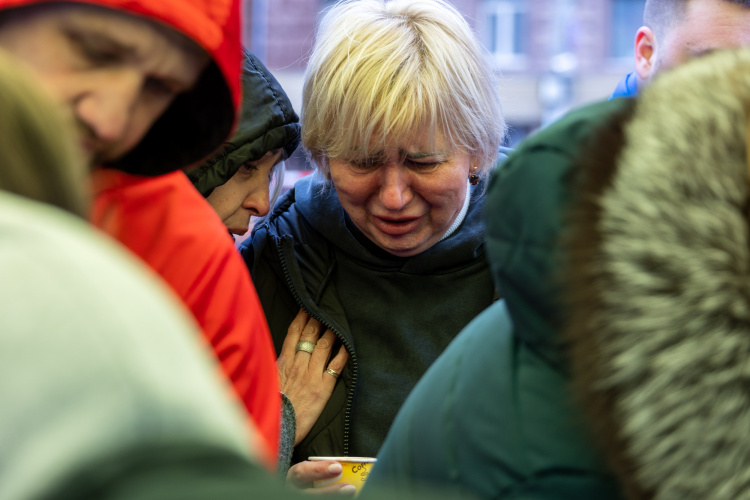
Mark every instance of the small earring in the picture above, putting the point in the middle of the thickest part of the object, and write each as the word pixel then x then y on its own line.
pixel 474 178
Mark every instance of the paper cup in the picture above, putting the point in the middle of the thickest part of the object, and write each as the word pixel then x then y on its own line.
pixel 355 471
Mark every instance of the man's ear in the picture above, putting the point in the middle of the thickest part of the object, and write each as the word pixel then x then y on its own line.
pixel 645 53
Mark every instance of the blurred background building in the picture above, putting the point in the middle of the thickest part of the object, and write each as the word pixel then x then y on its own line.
pixel 552 54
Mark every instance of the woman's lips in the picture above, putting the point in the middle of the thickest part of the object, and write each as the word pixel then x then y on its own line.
pixel 396 227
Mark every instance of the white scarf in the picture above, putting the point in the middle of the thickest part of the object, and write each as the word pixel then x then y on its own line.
pixel 461 214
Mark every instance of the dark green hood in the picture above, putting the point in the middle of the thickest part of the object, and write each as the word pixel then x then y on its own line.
pixel 268 122
pixel 524 210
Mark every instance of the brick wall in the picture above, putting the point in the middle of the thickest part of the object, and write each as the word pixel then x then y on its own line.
pixel 594 19
pixel 286 37
pixel 291 27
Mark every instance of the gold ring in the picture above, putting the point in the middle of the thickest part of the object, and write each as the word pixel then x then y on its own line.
pixel 306 346
pixel 332 372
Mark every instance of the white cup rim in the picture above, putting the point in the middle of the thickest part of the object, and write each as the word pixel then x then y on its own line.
pixel 345 459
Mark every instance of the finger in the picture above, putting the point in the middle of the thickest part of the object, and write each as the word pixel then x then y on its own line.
pixel 311 331
pixel 293 333
pixel 336 488
pixel 322 351
pixel 335 368
pixel 303 474
pixel 338 363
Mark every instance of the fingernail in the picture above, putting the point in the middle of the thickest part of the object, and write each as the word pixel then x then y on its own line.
pixel 348 490
pixel 335 468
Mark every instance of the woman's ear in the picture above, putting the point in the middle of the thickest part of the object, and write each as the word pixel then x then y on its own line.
pixel 476 166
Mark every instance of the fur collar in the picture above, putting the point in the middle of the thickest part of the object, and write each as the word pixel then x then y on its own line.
pixel 659 286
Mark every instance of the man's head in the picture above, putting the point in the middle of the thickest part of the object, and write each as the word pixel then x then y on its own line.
pixel 675 31
pixel 144 91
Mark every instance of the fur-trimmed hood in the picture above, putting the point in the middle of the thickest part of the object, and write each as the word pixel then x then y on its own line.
pixel 659 287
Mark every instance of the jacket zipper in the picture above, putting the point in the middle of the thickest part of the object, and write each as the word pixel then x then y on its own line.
pixel 347 345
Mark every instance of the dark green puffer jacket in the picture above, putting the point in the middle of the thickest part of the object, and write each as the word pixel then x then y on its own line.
pixel 494 416
pixel 268 122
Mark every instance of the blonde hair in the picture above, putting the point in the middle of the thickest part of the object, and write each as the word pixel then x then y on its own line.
pixel 38 158
pixel 381 70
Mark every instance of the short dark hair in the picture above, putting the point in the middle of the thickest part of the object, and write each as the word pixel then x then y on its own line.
pixel 660 15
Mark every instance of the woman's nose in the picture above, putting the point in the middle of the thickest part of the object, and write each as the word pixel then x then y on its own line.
pixel 395 191
pixel 257 202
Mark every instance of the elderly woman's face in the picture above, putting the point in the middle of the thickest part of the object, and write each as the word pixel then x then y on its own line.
pixel 405 197
pixel 246 194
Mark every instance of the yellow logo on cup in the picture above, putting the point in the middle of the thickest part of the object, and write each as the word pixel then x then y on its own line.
pixel 355 471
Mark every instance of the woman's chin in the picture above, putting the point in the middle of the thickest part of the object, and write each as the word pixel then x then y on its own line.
pixel 407 245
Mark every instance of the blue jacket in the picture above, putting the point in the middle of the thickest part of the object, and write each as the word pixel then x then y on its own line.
pixel 627 87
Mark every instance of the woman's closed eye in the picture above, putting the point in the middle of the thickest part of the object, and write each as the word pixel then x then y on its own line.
pixel 247 168
pixel 366 164
pixel 424 165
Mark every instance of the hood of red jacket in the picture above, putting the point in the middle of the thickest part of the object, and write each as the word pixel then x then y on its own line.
pixel 198 121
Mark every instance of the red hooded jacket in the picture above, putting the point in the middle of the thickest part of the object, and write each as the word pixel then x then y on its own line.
pixel 142 201
pixel 166 222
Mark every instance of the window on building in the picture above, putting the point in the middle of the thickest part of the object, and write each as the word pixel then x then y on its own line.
pixel 627 17
pixel 504 31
